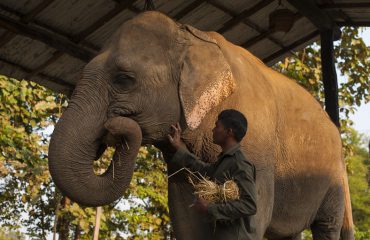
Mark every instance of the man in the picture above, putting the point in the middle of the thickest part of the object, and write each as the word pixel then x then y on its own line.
pixel 233 219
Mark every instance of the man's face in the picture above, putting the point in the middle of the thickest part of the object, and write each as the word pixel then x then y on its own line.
pixel 220 133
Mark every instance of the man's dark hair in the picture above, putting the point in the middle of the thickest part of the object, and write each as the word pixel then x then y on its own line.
pixel 235 120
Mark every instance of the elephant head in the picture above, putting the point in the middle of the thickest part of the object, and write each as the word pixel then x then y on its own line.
pixel 152 73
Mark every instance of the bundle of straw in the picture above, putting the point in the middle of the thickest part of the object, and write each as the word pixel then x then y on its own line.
pixel 211 191
pixel 215 193
pixel 206 189
pixel 229 191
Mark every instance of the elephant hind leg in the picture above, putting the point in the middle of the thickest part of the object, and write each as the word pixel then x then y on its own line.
pixel 329 219
pixel 325 230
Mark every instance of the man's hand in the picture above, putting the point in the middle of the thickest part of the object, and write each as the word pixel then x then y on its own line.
pixel 200 205
pixel 175 139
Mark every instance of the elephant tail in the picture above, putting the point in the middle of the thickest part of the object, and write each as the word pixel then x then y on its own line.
pixel 347 232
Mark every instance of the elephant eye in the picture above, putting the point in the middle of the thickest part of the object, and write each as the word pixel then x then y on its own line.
pixel 124 81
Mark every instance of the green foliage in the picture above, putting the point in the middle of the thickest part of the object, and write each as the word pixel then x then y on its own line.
pixel 9 234
pixel 305 68
pixel 26 109
pixel 353 60
pixel 362 235
pixel 306 235
pixel 358 168
pixel 149 206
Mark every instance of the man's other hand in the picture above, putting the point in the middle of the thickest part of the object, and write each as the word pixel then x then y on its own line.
pixel 175 138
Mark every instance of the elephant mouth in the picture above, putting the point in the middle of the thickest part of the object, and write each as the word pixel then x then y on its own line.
pixel 119 112
pixel 115 112
pixel 114 134
pixel 108 140
pixel 149 136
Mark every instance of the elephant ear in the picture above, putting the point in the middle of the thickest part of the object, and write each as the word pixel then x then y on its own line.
pixel 206 78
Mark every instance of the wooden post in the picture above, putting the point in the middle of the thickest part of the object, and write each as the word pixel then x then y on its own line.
pixel 77 232
pixel 97 223
pixel 63 220
pixel 55 221
pixel 329 75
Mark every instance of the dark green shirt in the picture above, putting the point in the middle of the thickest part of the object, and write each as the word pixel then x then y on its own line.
pixel 233 219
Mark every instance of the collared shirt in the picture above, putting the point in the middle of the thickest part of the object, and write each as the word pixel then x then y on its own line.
pixel 233 219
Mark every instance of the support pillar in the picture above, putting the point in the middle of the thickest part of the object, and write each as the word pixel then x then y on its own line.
pixel 329 75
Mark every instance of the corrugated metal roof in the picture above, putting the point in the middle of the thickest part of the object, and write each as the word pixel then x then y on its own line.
pixel 50 41
pixel 206 17
pixel 240 33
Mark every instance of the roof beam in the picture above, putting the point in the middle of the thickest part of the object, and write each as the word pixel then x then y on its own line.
pixel 33 13
pixel 264 34
pixel 254 40
pixel 6 37
pixel 339 12
pixel 188 9
pixel 247 22
pixel 180 14
pixel 56 41
pixel 317 16
pixel 354 24
pixel 291 47
pixel 54 58
pixel 26 19
pixel 345 5
pixel 26 70
pixel 243 15
pixel 42 25
pixel 120 6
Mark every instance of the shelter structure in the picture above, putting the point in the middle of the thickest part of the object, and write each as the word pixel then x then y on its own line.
pixel 49 41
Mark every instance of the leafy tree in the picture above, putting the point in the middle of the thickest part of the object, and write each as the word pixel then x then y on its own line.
pixel 26 110
pixel 359 170
pixel 7 234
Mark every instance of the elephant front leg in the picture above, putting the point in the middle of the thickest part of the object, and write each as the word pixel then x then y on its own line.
pixel 187 223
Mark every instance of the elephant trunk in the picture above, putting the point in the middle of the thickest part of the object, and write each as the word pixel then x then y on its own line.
pixel 75 144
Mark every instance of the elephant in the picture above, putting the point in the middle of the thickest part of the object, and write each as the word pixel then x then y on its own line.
pixel 154 72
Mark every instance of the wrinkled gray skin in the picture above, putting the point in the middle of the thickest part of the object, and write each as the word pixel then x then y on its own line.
pixel 154 72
